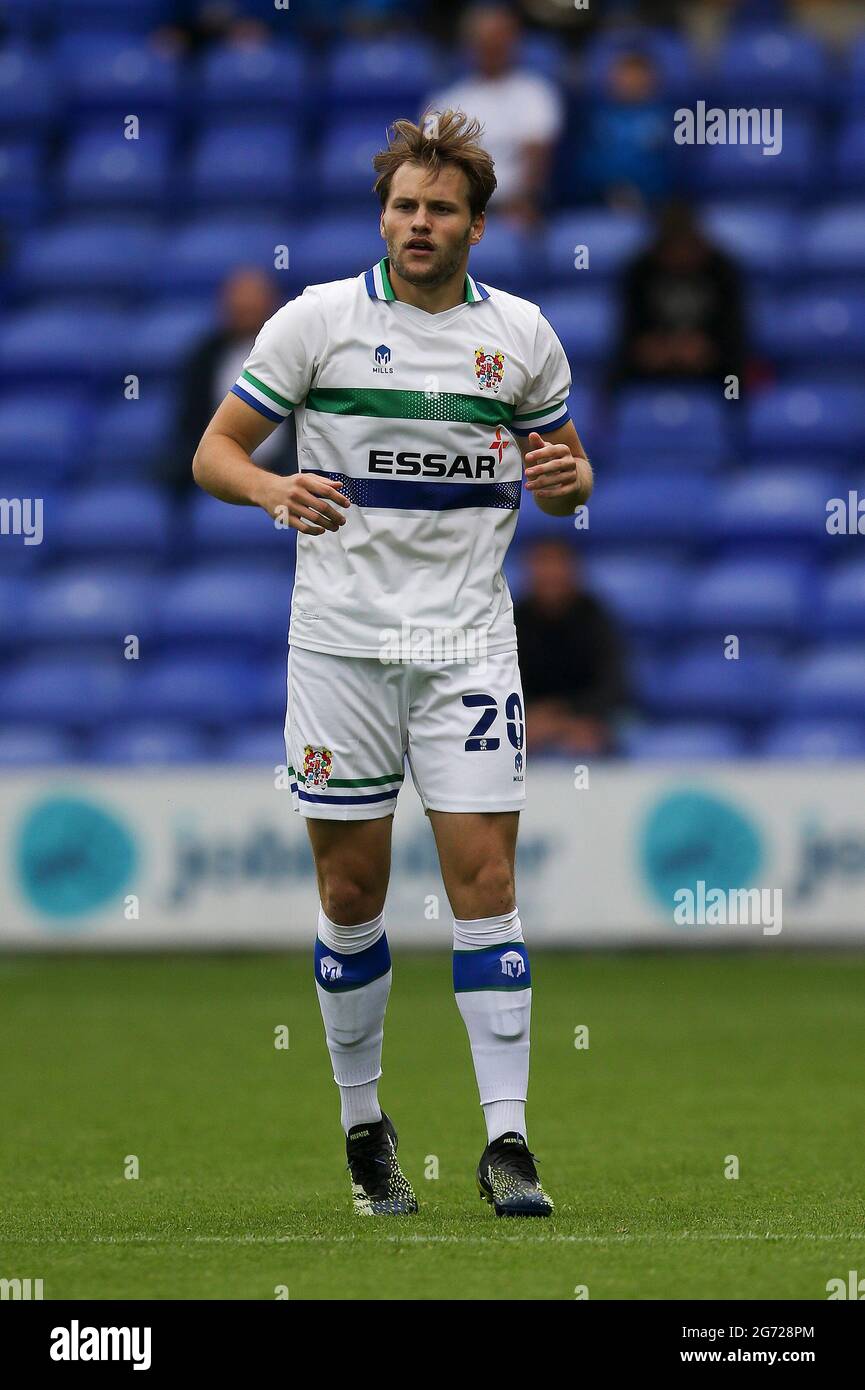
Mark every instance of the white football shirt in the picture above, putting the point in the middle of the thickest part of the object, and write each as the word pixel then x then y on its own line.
pixel 414 413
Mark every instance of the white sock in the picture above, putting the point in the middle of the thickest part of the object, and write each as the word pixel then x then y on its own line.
pixel 505 1117
pixel 492 984
pixel 352 979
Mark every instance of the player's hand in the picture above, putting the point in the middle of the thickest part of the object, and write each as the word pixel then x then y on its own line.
pixel 552 469
pixel 306 502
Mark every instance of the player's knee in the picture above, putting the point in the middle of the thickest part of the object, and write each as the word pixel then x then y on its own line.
pixel 348 899
pixel 490 884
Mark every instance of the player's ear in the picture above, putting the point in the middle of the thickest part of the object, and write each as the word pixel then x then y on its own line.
pixel 478 226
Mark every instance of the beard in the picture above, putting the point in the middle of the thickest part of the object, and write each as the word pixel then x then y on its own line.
pixel 442 265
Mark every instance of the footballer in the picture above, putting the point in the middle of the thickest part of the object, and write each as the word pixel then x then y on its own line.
pixel 419 395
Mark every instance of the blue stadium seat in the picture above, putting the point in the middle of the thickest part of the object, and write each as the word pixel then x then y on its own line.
pixel 36 745
pixel 91 256
pixel 335 248
pixel 777 504
pixel 262 744
pixel 200 254
pixel 210 525
pixel 66 688
pixel 822 325
pixel 131 438
pixel 748 594
pixel 344 169
pixel 798 417
pixel 764 241
pixel 690 741
pixel 103 169
pixel 504 258
pixel 585 321
pixel 133 16
pixel 127 518
pixel 834 243
pixel 670 427
pixel 389 68
pixel 230 602
pixel 702 683
pixel 115 71
pixel 779 64
pixel 825 740
pixel 850 156
pixel 744 168
pixel 645 593
pixel 267 76
pixel 150 742
pixel 652 509
pixel 41 434
pixel 28 89
pixel 207 690
pixel 612 238
pixel 13 595
pixel 75 344
pixel 22 175
pixel 840 600
pixel 162 336
pixel 91 604
pixel 828 680
pixel 245 163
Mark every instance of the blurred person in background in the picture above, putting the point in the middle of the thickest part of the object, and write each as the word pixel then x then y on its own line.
pixel 682 317
pixel 572 659
pixel 248 298
pixel 522 112
pixel 626 152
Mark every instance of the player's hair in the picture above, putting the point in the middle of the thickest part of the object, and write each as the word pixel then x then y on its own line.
pixel 446 137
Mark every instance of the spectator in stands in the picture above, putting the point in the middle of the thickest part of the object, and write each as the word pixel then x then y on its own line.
pixel 248 298
pixel 626 153
pixel 682 314
pixel 570 656
pixel 521 111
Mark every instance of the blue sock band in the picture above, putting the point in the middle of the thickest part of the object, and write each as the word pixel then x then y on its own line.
pixel 505 966
pixel 336 972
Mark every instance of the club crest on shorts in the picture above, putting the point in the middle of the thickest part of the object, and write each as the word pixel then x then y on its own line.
pixel 317 766
pixel 489 369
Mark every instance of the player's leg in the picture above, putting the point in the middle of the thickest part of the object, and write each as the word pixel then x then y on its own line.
pixel 344 740
pixel 466 752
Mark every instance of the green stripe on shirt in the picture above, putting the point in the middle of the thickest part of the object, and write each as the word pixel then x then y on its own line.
pixel 260 386
pixel 410 405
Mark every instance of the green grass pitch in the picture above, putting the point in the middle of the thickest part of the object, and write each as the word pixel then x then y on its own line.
pixel 243 1188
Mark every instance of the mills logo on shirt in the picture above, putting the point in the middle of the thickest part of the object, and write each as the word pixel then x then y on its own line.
pixel 489 369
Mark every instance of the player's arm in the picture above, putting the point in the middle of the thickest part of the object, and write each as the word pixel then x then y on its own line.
pixel 223 466
pixel 558 474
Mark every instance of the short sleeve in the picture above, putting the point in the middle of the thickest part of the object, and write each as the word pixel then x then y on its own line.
pixel 278 372
pixel 544 405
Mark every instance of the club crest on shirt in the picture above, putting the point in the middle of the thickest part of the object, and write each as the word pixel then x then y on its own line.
pixel 489 369
pixel 317 766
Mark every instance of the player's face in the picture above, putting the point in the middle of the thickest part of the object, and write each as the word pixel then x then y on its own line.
pixel 428 225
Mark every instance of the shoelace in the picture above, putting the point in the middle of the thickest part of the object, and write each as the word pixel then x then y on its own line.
pixel 518 1161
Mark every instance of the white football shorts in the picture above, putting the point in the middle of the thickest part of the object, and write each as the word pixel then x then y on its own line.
pixel 351 723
